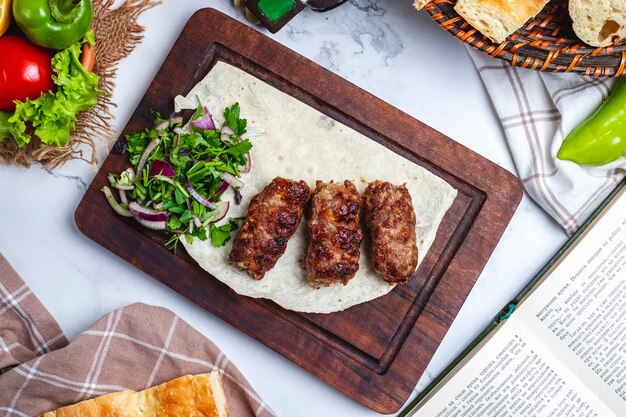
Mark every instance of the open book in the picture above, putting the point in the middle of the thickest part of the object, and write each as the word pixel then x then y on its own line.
pixel 560 350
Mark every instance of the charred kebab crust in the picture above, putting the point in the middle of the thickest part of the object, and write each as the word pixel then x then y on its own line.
pixel 390 218
pixel 273 216
pixel 334 250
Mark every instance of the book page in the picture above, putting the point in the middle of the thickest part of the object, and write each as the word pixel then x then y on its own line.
pixel 563 351
pixel 513 375
pixel 579 311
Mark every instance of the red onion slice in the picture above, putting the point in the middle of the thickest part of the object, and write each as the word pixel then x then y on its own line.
pixel 129 173
pixel 147 214
pixel 150 224
pixel 123 197
pixel 162 168
pixel 223 187
pixel 197 196
pixel 205 122
pixel 197 221
pixel 144 156
pixel 246 168
pixel 238 197
pixel 226 133
pixel 162 125
pixel 220 211
pixel 232 180
pixel 114 204
pixel 176 119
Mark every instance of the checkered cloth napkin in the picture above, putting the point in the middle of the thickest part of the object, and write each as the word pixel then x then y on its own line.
pixel 132 348
pixel 537 111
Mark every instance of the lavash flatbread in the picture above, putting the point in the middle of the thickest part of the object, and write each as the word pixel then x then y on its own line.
pixel 301 143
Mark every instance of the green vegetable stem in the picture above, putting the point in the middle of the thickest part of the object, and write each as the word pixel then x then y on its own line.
pixel 602 137
pixel 53 24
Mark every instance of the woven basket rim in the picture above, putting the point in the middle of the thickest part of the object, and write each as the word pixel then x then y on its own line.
pixel 546 42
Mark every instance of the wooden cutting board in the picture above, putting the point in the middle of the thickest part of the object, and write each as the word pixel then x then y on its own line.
pixel 374 352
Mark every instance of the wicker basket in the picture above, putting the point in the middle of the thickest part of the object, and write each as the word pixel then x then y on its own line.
pixel 545 43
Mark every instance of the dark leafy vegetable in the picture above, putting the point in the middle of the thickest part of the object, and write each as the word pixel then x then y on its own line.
pixel 180 173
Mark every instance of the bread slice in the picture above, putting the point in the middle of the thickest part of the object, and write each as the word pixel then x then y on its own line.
pixel 188 396
pixel 420 3
pixel 497 19
pixel 599 22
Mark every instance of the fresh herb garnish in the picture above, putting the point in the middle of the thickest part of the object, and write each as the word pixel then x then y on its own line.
pixel 220 235
pixel 233 120
pixel 186 171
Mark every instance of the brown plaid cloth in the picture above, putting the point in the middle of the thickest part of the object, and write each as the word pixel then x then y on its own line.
pixel 537 111
pixel 135 347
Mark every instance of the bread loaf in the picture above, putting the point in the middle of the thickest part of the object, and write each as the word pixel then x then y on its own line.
pixel 599 22
pixel 497 19
pixel 188 396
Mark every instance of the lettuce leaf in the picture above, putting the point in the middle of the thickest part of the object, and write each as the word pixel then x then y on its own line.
pixel 53 114
pixel 16 130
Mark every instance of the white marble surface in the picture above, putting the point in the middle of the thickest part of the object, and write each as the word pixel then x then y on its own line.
pixel 385 47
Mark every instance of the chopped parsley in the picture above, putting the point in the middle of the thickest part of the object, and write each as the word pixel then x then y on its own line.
pixel 220 235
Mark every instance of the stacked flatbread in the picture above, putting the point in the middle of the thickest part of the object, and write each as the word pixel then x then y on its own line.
pixel 596 22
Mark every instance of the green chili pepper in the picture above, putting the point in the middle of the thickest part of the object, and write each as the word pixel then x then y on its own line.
pixel 602 137
pixel 55 24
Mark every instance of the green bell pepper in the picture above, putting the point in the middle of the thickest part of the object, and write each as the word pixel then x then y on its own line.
pixel 602 137
pixel 55 24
